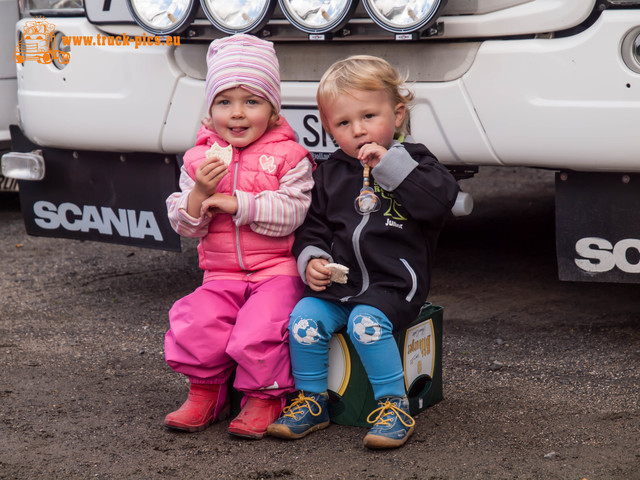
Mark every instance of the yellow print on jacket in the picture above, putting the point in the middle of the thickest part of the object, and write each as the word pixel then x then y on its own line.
pixel 392 211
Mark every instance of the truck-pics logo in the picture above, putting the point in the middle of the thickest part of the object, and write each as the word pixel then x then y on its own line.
pixel 38 44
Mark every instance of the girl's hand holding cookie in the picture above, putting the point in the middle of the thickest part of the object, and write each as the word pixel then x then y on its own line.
pixel 208 175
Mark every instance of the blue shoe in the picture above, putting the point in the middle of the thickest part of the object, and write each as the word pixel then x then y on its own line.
pixel 306 414
pixel 392 424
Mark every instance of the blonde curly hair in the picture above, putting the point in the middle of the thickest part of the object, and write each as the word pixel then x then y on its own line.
pixel 363 73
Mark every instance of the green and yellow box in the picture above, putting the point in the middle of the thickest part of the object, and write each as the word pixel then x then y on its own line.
pixel 420 346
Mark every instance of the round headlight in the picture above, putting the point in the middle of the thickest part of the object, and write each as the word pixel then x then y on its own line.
pixel 238 16
pixel 631 49
pixel 163 17
pixel 317 16
pixel 403 16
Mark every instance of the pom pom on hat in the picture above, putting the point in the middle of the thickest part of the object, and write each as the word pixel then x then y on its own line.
pixel 243 61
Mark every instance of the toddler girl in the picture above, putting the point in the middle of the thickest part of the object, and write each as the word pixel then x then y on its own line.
pixel 244 214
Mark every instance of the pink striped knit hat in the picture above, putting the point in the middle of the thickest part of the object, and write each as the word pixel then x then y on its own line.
pixel 243 61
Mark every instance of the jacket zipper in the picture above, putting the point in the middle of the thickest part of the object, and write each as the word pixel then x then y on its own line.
pixel 355 239
pixel 235 182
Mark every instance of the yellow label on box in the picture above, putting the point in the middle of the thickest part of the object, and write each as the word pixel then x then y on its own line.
pixel 419 351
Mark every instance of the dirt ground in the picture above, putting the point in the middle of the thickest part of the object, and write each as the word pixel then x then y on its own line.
pixel 541 377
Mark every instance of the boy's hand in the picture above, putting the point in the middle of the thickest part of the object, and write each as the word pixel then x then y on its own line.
pixel 208 175
pixel 317 276
pixel 371 153
pixel 219 203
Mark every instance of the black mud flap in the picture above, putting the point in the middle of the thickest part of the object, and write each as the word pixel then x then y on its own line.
pixel 101 196
pixel 598 227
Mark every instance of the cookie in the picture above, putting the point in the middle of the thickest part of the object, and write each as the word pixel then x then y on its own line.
pixel 223 153
pixel 338 272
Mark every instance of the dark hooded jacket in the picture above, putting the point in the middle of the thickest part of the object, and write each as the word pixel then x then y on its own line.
pixel 389 253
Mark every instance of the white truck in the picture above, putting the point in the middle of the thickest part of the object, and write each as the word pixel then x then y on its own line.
pixel 552 84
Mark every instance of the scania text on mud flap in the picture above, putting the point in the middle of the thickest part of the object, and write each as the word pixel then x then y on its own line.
pixel 529 83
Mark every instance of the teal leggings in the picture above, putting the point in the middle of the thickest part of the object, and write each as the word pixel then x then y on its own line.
pixel 311 324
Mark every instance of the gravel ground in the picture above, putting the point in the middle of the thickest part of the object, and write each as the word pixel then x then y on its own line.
pixel 541 377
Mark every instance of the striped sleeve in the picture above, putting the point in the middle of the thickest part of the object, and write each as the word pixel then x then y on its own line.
pixel 278 213
pixel 183 223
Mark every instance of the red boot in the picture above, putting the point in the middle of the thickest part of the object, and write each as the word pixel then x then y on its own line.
pixel 254 418
pixel 205 404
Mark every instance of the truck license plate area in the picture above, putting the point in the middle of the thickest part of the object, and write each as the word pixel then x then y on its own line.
pixel 305 121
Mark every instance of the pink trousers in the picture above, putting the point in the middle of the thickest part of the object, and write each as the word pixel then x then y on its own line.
pixel 227 324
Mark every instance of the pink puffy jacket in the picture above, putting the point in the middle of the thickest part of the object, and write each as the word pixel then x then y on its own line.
pixel 229 252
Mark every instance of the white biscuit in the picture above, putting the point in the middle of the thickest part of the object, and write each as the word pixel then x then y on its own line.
pixel 338 272
pixel 223 153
